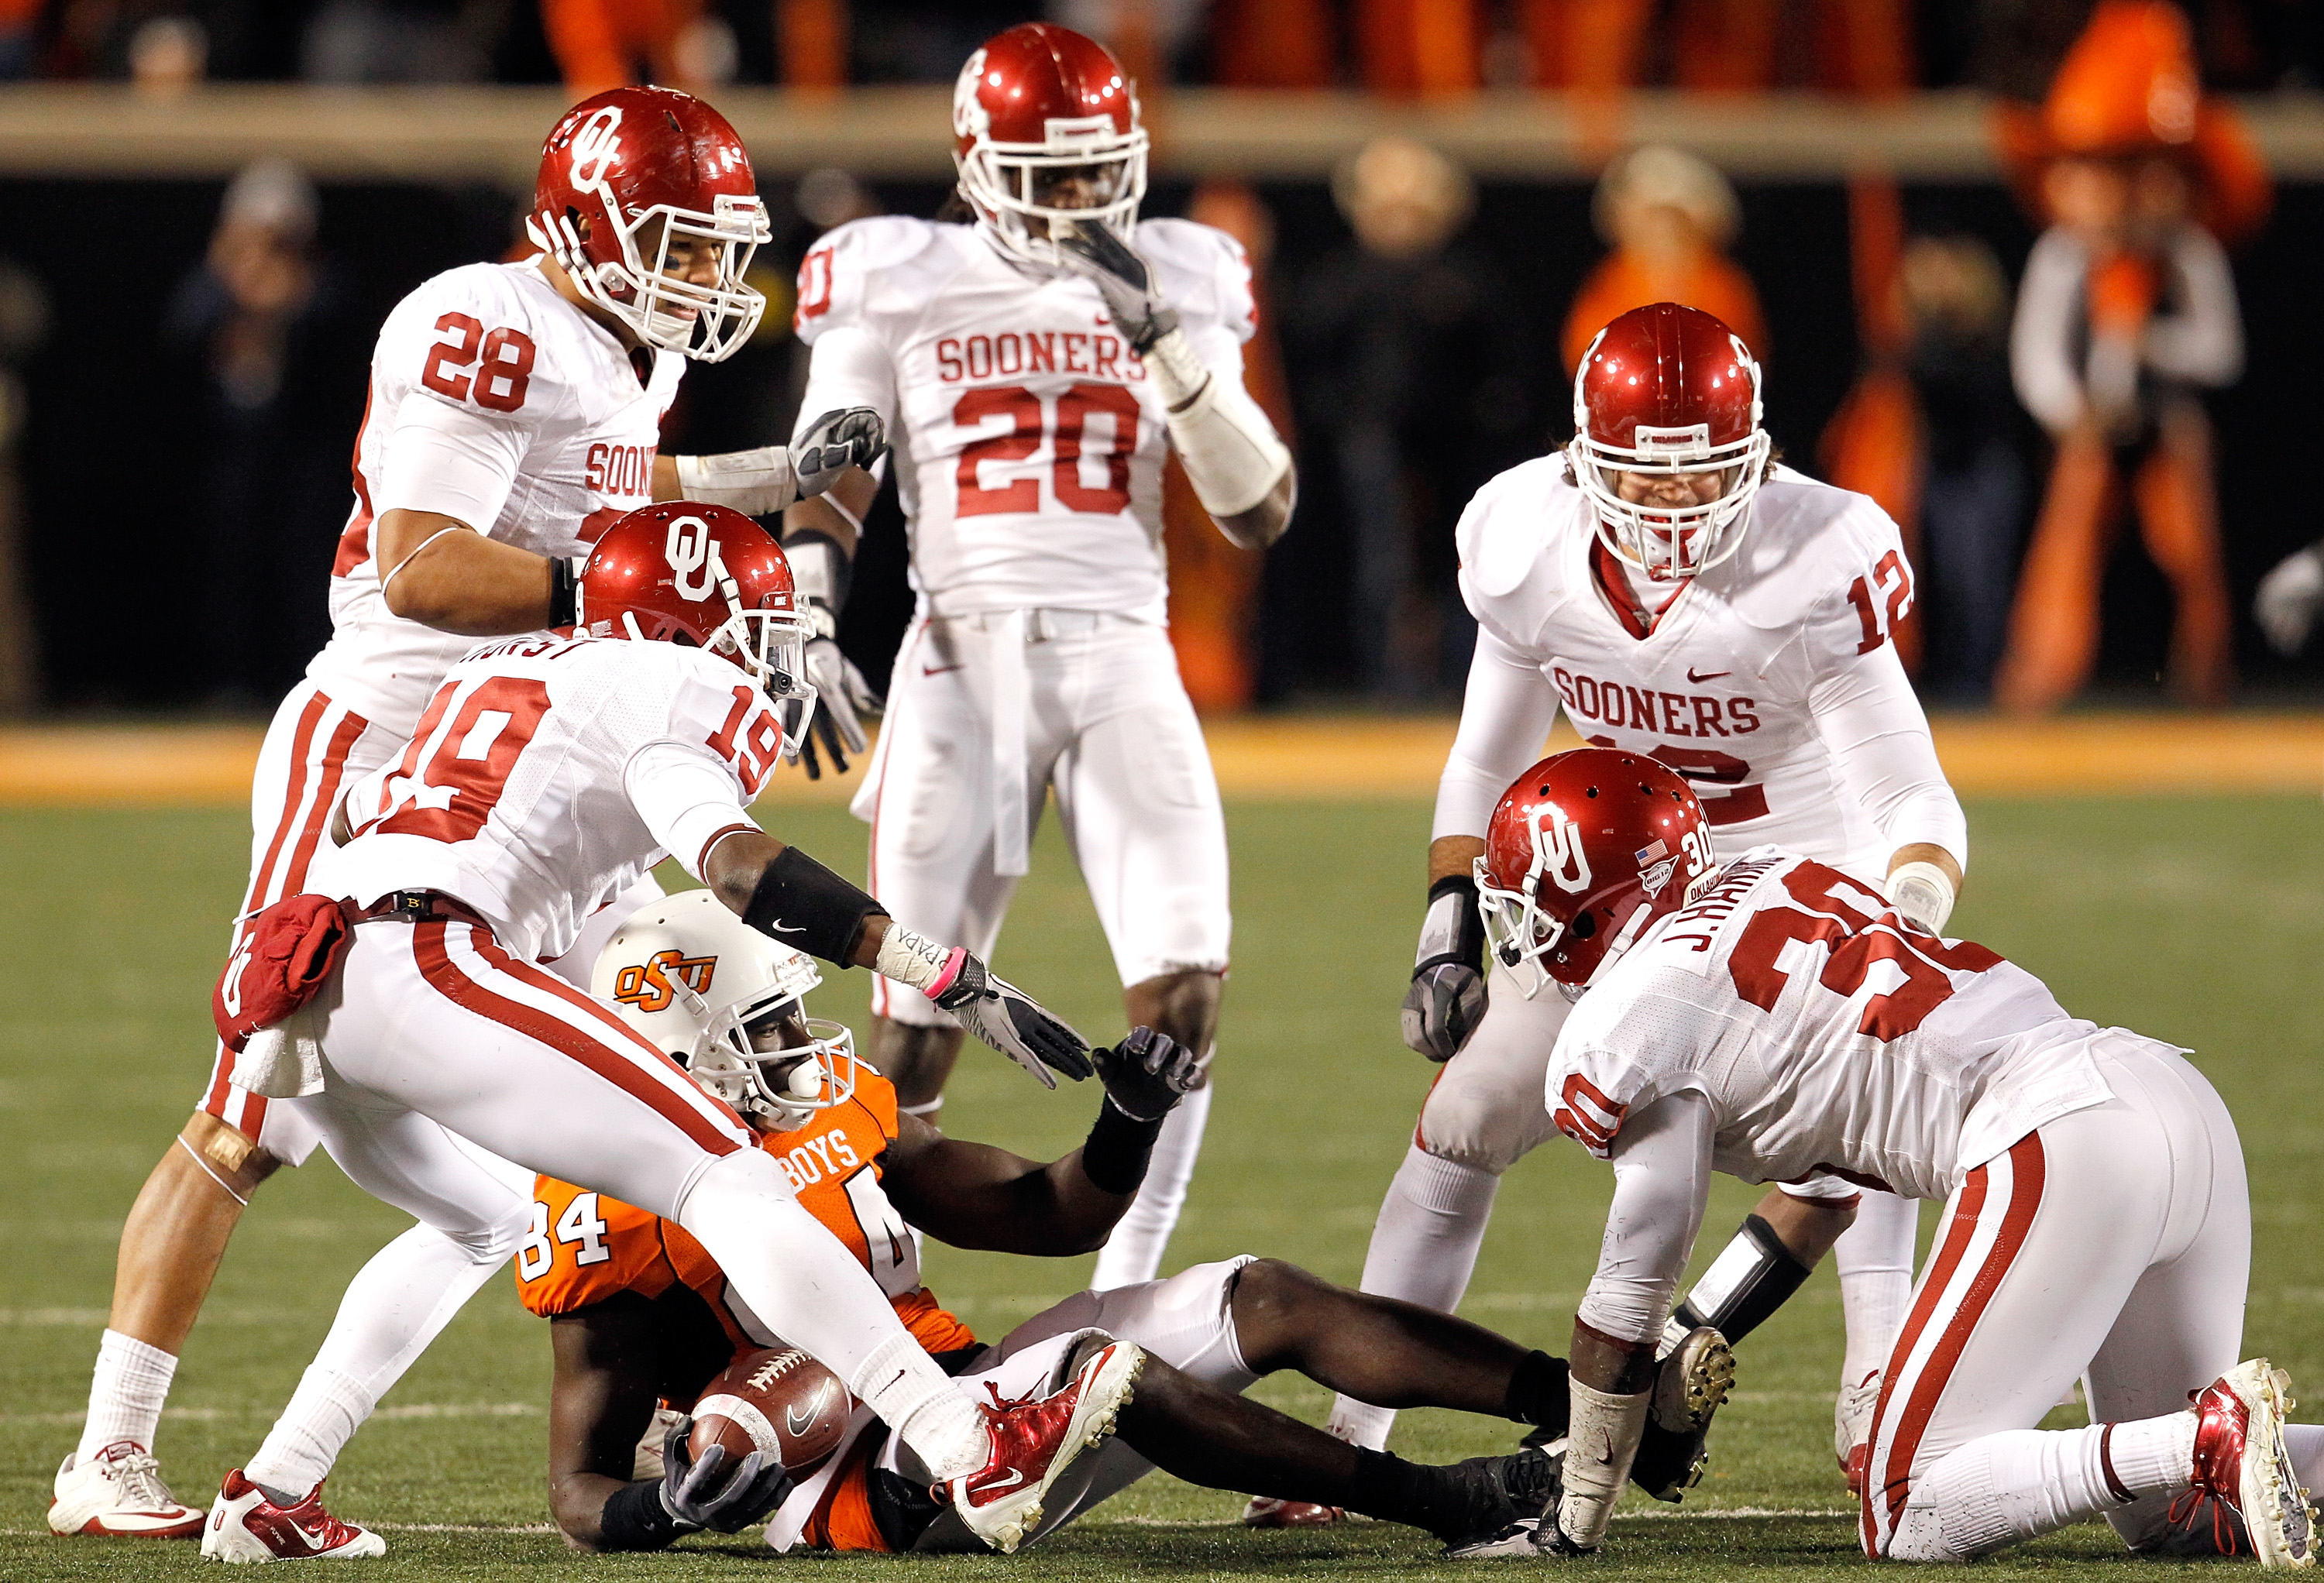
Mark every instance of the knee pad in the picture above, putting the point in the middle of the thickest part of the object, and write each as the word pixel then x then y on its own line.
pixel 1469 1123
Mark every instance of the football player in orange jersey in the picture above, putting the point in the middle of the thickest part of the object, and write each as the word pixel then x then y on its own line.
pixel 641 1314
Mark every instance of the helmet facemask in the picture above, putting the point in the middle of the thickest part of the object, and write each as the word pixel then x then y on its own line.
pixel 766 1057
pixel 705 322
pixel 1008 184
pixel 1669 541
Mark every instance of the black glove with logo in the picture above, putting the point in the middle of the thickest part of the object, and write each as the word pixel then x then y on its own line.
pixel 1148 1073
pixel 1447 997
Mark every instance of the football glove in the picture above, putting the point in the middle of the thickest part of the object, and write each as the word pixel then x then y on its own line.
pixel 1148 1073
pixel 2285 605
pixel 842 697
pixel 1447 997
pixel 717 1492
pixel 1124 279
pixel 850 437
pixel 1015 1024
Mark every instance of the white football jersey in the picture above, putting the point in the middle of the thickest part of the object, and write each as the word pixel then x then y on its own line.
pixel 1028 442
pixel 1723 688
pixel 495 401
pixel 1826 1035
pixel 548 773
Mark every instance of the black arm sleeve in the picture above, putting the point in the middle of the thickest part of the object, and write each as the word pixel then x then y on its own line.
pixel 806 905
pixel 635 1519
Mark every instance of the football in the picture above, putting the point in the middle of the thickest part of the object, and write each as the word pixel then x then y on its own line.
pixel 773 1399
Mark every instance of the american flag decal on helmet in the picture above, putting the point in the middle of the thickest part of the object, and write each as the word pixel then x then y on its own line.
pixel 1651 851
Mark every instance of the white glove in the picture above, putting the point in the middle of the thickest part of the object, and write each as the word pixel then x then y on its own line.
pixel 2286 603
pixel 1124 279
pixel 1924 894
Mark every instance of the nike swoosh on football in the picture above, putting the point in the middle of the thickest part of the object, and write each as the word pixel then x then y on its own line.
pixel 939 670
pixel 1709 675
pixel 798 1421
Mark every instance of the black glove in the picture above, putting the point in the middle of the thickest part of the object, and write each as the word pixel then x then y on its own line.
pixel 1447 997
pixel 706 1495
pixel 1148 1073
pixel 1015 1024
pixel 844 437
pixel 1123 279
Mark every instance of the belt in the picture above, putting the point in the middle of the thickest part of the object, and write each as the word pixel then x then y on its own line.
pixel 418 906
pixel 1040 625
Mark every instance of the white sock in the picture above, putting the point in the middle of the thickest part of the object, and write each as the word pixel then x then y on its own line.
pixel 125 1393
pixel 1424 1250
pixel 1874 1257
pixel 398 1303
pixel 2020 1483
pixel 805 1286
pixel 1133 1253
pixel 929 1411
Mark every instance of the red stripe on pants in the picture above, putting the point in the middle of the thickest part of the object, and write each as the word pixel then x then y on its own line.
pixel 620 1067
pixel 2027 1168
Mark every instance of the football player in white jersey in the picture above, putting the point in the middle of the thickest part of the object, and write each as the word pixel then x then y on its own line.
pixel 515 412
pixel 1780 1019
pixel 395 1008
pixel 1677 593
pixel 1035 369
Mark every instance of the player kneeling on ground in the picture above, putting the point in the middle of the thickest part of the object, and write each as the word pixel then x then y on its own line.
pixel 1775 1019
pixel 395 1008
pixel 641 1312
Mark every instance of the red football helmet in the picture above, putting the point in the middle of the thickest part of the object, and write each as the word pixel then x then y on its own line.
pixel 632 157
pixel 1036 102
pixel 1669 390
pixel 1585 851
pixel 708 577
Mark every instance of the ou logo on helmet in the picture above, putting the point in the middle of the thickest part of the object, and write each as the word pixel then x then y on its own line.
pixel 1557 848
pixel 693 556
pixel 596 144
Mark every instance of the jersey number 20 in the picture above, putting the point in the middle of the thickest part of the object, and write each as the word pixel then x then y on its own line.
pixel 1027 430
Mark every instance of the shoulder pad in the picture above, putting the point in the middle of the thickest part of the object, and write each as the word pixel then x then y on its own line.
pixel 1809 541
pixel 836 276
pixel 1204 273
pixel 1510 575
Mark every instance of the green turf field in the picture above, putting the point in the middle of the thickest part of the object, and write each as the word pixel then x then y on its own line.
pixel 2198 921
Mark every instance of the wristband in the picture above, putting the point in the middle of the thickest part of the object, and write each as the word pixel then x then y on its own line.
pixel 1119 1146
pixel 1453 930
pixel 801 903
pixel 563 592
pixel 911 958
pixel 820 570
pixel 1749 1280
pixel 635 1518
pixel 1923 893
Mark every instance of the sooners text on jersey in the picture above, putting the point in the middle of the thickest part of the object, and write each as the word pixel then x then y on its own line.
pixel 1028 443
pixel 1828 1036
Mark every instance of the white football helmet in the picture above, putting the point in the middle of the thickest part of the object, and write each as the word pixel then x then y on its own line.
pixel 728 1004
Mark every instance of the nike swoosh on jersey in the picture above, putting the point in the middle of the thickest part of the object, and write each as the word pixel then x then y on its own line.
pixel 1709 675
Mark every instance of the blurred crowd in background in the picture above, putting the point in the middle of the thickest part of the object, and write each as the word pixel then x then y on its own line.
pixel 2021 378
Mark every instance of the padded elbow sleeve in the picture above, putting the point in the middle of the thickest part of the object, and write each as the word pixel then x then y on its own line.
pixel 801 904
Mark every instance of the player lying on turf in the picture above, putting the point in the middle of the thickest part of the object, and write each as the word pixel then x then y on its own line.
pixel 396 1010
pixel 1778 1020
pixel 643 1314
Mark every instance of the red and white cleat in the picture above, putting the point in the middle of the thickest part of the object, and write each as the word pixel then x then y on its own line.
pixel 247 1526
pixel 1267 1512
pixel 2240 1458
pixel 119 1493
pixel 1036 1439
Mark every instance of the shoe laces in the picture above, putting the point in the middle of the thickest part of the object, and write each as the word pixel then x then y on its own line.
pixel 2191 1505
pixel 136 1473
pixel 1024 1421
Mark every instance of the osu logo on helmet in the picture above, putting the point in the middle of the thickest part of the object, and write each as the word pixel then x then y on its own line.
pixel 646 986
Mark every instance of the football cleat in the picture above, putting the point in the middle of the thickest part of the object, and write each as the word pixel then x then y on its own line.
pixel 2240 1458
pixel 1267 1512
pixel 1512 1499
pixel 244 1525
pixel 119 1493
pixel 1034 1439
pixel 1690 1387
pixel 1851 1428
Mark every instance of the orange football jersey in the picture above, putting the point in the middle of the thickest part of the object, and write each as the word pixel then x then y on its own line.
pixel 586 1248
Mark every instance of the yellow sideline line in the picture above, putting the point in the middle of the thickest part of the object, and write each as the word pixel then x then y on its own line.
pixel 1310 758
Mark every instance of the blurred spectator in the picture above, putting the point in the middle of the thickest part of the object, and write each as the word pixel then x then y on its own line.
pixel 270 365
pixel 605 43
pixel 1973 486
pixel 168 55
pixel 2127 311
pixel 395 40
pixel 23 328
pixel 1669 215
pixel 1410 352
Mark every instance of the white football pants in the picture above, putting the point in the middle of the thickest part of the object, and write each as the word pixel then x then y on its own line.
pixel 1486 1111
pixel 2113 1244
